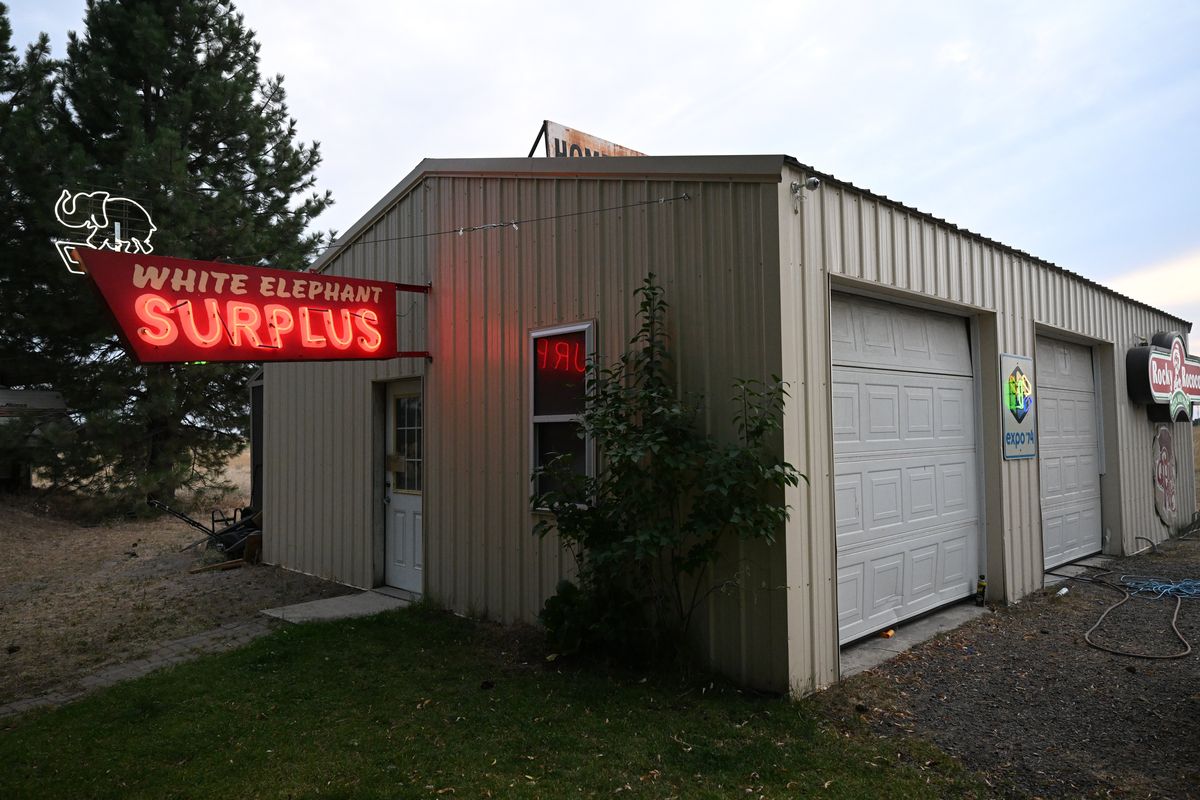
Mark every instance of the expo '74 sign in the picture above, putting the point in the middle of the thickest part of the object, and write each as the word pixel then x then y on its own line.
pixel 1020 424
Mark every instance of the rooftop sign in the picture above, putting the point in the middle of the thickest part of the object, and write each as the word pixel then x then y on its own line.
pixel 1164 377
pixel 175 310
pixel 564 142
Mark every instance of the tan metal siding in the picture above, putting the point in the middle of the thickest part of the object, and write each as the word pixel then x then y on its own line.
pixel 321 481
pixel 872 245
pixel 810 561
pixel 716 255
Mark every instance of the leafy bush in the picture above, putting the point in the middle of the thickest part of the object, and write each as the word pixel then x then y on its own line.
pixel 647 527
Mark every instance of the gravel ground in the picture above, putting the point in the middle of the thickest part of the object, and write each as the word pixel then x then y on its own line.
pixel 75 600
pixel 1020 696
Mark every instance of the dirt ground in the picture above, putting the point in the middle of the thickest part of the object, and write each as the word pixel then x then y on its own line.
pixel 1020 696
pixel 75 599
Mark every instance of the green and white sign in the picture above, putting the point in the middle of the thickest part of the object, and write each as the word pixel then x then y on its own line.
pixel 1017 406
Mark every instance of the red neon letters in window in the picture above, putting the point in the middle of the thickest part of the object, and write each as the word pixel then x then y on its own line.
pixel 562 353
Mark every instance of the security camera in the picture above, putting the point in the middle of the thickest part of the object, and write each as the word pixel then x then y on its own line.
pixel 812 183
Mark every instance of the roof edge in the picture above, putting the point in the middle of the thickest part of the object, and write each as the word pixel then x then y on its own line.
pixel 764 168
pixel 825 176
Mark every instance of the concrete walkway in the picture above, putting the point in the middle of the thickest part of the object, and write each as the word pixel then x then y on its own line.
pixel 872 651
pixel 346 606
pixel 229 636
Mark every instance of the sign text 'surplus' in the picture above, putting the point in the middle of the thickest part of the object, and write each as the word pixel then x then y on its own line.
pixel 174 310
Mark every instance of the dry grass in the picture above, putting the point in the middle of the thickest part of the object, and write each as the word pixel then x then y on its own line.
pixel 74 598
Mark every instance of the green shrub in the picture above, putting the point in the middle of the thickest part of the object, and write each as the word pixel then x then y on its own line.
pixel 647 527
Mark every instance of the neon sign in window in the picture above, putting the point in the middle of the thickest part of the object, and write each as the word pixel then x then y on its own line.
pixel 559 372
pixel 560 359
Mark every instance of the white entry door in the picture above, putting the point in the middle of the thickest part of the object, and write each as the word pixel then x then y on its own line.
pixel 905 499
pixel 405 550
pixel 1068 451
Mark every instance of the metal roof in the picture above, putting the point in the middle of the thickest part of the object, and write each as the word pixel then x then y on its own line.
pixel 741 168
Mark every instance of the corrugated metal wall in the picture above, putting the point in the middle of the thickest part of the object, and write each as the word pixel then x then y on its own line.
pixel 322 472
pixel 840 237
pixel 716 255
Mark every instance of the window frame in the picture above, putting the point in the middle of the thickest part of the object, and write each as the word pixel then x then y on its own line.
pixel 589 343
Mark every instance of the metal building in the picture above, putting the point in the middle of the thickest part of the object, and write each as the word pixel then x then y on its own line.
pixel 894 329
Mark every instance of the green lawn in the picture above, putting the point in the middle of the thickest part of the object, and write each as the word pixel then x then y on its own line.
pixel 422 704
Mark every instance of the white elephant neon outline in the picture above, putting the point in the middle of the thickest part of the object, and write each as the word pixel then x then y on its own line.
pixel 104 216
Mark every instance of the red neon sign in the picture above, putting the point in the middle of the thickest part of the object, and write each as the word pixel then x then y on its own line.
pixel 174 309
pixel 566 353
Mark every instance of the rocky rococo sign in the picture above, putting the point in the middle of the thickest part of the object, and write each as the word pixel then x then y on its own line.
pixel 1162 376
pixel 1164 475
pixel 176 310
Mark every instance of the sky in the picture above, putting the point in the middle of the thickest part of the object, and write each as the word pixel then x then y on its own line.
pixel 1069 130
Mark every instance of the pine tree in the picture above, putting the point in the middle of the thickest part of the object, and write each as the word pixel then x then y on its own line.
pixel 160 101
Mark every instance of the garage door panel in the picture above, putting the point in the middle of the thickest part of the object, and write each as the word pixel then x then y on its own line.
pixel 916 417
pixel 910 412
pixel 1052 478
pixel 957 482
pixel 878 499
pixel 878 343
pixel 846 421
pixel 924 573
pixel 956 571
pixel 1064 365
pixel 875 334
pixel 891 583
pixel 1069 455
pixel 1047 417
pixel 883 414
pixel 850 591
pixel 887 582
pixel 954 418
pixel 920 493
pixel 905 462
pixel 848 503
pixel 883 499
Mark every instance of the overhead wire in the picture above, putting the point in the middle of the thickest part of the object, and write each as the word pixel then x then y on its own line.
pixel 515 224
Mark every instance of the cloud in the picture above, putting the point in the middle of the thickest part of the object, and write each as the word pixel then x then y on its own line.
pixel 1172 285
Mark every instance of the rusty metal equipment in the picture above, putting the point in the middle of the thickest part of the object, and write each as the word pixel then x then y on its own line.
pixel 230 538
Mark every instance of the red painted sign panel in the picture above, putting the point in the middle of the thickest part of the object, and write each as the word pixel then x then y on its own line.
pixel 175 309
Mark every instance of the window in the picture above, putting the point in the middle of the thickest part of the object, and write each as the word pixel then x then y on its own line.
pixel 406 443
pixel 559 357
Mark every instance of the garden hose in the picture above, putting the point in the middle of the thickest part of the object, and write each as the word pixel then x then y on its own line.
pixel 1142 587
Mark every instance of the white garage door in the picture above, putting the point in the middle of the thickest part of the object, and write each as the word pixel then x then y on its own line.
pixel 1068 451
pixel 906 505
